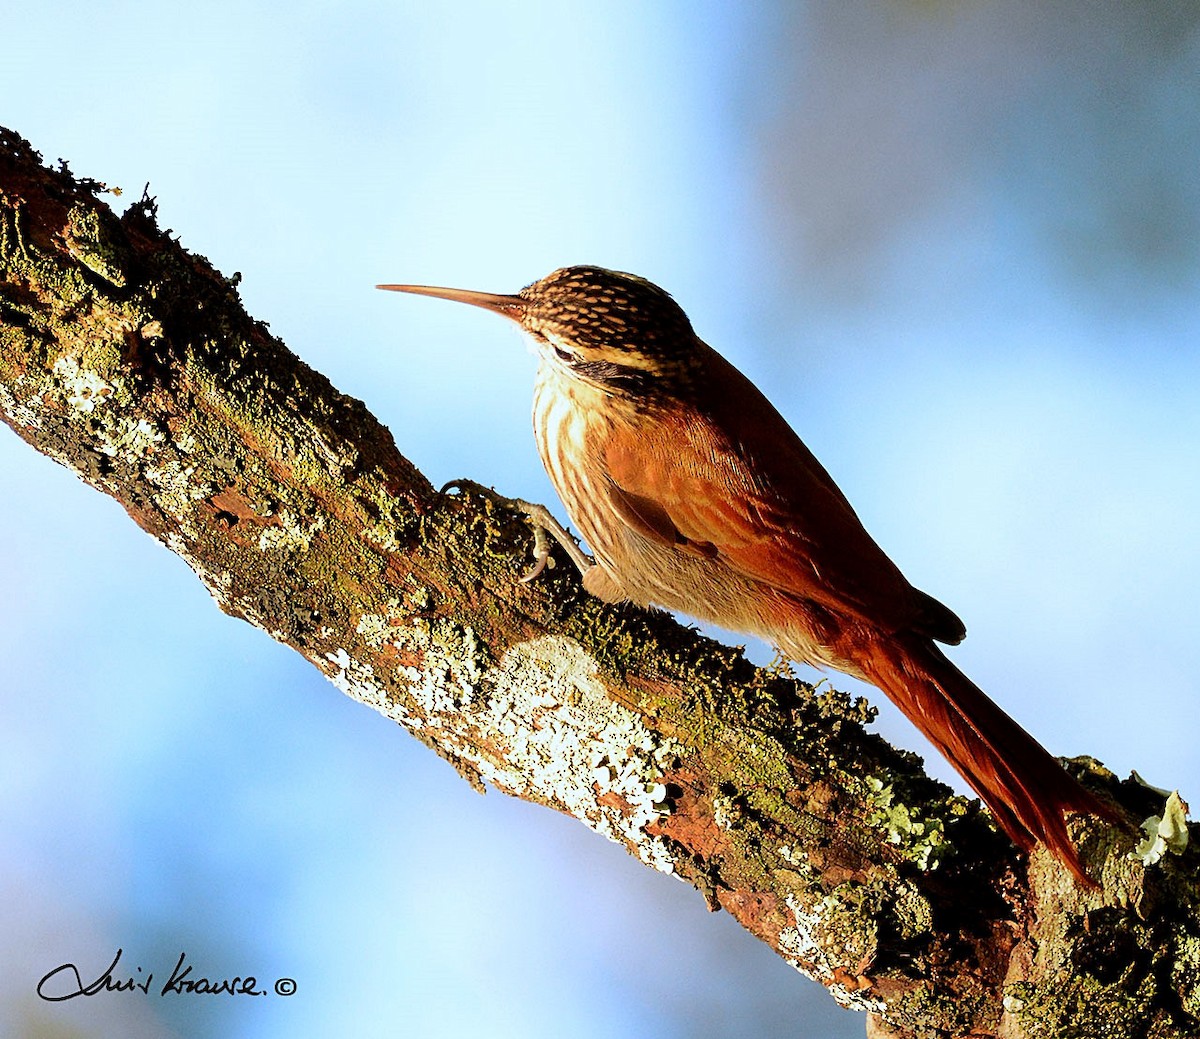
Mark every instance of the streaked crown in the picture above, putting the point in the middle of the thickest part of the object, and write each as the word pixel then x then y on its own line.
pixel 605 310
pixel 612 328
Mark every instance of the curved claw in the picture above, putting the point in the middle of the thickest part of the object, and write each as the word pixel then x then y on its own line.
pixel 463 484
pixel 543 523
pixel 541 554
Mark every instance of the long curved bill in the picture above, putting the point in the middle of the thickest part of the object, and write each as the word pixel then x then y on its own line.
pixel 509 306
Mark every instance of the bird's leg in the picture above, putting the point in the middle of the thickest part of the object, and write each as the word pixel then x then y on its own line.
pixel 543 522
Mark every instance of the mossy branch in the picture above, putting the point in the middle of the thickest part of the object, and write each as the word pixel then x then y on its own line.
pixel 133 363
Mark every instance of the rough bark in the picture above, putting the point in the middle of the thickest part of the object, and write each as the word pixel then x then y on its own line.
pixel 132 362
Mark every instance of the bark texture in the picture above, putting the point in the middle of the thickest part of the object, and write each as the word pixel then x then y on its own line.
pixel 132 362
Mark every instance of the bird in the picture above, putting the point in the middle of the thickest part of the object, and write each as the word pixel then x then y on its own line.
pixel 695 494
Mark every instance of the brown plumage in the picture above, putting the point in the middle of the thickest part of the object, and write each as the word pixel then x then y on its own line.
pixel 694 494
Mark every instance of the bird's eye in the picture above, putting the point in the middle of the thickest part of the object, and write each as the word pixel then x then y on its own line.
pixel 564 355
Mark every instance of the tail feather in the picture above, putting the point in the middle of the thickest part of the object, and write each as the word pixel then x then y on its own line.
pixel 1027 790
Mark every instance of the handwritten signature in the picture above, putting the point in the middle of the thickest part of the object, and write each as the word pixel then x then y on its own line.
pixel 65 982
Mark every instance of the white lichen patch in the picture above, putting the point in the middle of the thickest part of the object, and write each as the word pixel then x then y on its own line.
pixel 725 812
pixel 550 731
pixel 1164 833
pixel 382 536
pixel 563 738
pixel 803 948
pixel 453 665
pixel 356 679
pixel 19 413
pixel 118 436
pixel 185 443
pixel 129 438
pixel 799 944
pixel 376 628
pixel 793 855
pixel 83 389
pixel 292 533
pixel 1013 1004
pixel 177 492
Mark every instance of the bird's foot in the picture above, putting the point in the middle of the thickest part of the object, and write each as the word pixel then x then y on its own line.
pixel 543 523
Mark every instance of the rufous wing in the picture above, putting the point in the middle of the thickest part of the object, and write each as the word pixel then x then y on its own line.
pixel 725 476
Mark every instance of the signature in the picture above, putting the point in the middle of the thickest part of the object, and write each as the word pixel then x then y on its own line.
pixel 65 982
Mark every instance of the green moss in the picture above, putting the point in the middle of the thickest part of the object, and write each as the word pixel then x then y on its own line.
pixel 1084 1007
pixel 911 913
pixel 1185 971
pixel 956 1013
pixel 94 237
pixel 850 924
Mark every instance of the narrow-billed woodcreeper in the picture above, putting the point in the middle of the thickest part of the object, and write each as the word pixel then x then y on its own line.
pixel 693 493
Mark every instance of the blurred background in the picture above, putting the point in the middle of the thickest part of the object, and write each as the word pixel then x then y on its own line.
pixel 958 244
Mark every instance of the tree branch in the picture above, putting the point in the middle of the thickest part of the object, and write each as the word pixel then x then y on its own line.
pixel 132 362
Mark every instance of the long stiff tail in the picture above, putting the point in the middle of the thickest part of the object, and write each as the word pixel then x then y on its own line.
pixel 1027 790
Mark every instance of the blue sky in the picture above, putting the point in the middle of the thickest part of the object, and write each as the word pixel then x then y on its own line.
pixel 956 245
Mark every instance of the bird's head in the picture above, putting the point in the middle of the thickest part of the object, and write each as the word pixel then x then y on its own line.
pixel 605 327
